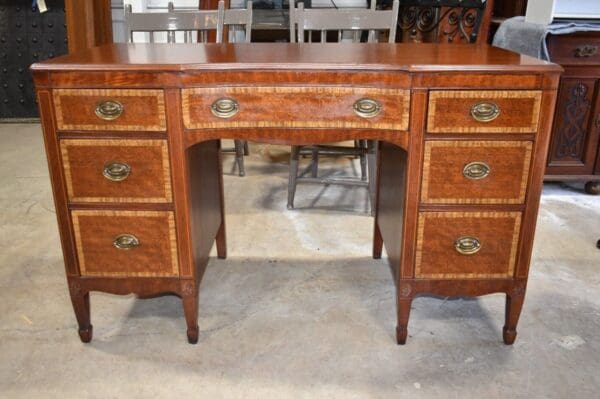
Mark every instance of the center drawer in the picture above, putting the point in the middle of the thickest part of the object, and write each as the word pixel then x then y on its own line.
pixel 475 172
pixel 126 243
pixel 117 170
pixel 296 107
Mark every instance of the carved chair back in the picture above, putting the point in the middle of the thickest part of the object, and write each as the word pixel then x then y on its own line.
pixel 444 21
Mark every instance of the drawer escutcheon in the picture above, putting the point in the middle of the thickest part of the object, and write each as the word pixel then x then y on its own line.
pixel 224 108
pixel 116 171
pixel 485 111
pixel 476 170
pixel 126 241
pixel 109 110
pixel 367 108
pixel 467 245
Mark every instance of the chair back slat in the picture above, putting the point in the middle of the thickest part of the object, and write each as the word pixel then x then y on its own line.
pixel 188 22
pixel 342 20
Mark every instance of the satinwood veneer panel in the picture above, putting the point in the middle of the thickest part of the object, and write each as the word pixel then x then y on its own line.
pixel 475 172
pixel 89 178
pixel 296 107
pixel 101 254
pixel 141 110
pixel 497 233
pixel 517 111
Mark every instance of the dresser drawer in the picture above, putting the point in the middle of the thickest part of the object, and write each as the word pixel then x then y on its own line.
pixel 483 111
pixel 296 107
pixel 126 243
pixel 575 49
pixel 117 170
pixel 467 244
pixel 99 109
pixel 475 172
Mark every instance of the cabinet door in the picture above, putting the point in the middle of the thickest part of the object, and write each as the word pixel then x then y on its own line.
pixel 574 144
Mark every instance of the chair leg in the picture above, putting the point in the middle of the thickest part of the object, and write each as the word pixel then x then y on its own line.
pixel 314 166
pixel 363 160
pixel 239 156
pixel 293 176
pixel 372 169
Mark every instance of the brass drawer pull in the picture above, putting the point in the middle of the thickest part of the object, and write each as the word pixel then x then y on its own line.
pixel 587 50
pixel 116 171
pixel 224 107
pixel 109 110
pixel 485 111
pixel 126 241
pixel 476 170
pixel 467 245
pixel 367 108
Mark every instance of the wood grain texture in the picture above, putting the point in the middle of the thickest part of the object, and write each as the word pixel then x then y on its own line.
pixel 148 182
pixel 444 182
pixel 156 256
pixel 449 111
pixel 144 110
pixel 436 257
pixel 296 107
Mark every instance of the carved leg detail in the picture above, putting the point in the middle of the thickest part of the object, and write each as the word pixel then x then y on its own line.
pixel 403 315
pixel 81 306
pixel 189 298
pixel 377 242
pixel 221 241
pixel 514 304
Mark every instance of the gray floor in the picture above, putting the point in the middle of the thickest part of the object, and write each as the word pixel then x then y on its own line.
pixel 299 309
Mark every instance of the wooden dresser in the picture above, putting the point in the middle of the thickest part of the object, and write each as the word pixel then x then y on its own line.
pixel 575 145
pixel 132 137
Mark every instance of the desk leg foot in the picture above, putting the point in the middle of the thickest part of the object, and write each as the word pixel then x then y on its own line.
pixel 86 334
pixel 189 297
pixel 377 242
pixel 221 242
pixel 403 315
pixel 514 304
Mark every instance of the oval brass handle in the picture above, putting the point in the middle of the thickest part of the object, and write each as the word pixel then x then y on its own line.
pixel 126 241
pixel 109 110
pixel 467 245
pixel 476 170
pixel 224 107
pixel 485 111
pixel 587 50
pixel 367 108
pixel 116 171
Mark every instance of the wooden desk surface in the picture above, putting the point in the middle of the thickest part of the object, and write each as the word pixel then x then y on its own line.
pixel 349 56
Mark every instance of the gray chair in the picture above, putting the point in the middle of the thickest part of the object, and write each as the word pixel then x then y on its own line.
pixel 194 26
pixel 350 24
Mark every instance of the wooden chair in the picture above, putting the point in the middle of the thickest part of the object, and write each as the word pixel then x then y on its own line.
pixel 194 26
pixel 356 25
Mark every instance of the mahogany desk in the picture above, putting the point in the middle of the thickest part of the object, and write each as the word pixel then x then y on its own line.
pixel 132 137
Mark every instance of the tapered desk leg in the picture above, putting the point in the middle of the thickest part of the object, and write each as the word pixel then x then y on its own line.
pixel 514 304
pixel 81 306
pixel 221 238
pixel 189 297
pixel 377 242
pixel 403 316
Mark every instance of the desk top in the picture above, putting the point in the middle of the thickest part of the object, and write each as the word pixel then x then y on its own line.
pixel 417 57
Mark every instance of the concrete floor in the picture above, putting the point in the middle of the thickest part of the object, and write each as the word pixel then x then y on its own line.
pixel 299 309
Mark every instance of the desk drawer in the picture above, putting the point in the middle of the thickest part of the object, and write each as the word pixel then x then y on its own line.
pixel 483 111
pixel 296 107
pixel 126 243
pixel 475 172
pixel 467 244
pixel 100 109
pixel 117 170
